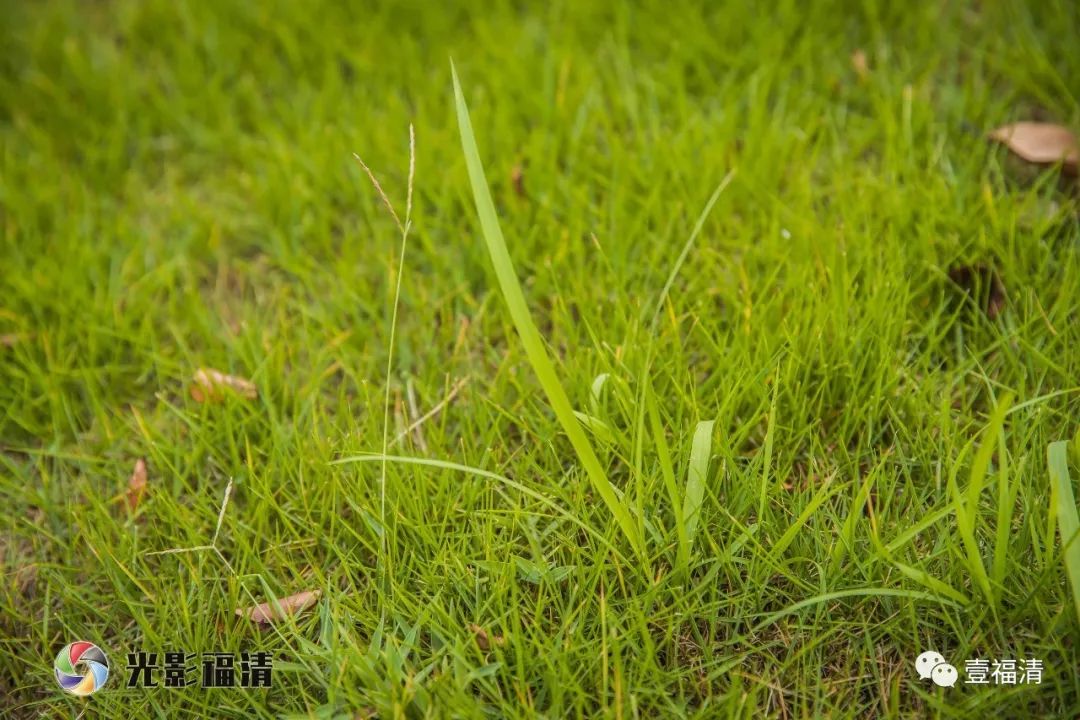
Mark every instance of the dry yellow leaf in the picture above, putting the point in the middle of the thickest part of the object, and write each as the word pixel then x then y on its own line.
pixel 1037 142
pixel 136 485
pixel 210 386
pixel 268 612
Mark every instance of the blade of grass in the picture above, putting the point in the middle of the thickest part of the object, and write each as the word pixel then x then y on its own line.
pixel 1007 494
pixel 480 472
pixel 918 575
pixel 925 578
pixel 841 594
pixel 908 535
pixel 823 494
pixel 646 388
pixel 597 392
pixel 526 328
pixel 847 533
pixel 694 494
pixel 980 465
pixel 1068 522
pixel 600 429
pixel 967 508
pixel 667 470
pixel 700 223
pixel 965 523
pixel 770 434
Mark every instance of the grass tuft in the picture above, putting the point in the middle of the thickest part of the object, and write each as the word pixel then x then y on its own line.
pixel 526 328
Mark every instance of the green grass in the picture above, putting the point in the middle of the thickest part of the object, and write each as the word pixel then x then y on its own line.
pixel 530 336
pixel 707 431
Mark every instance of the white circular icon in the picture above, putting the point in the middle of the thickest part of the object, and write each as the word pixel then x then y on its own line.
pixel 924 664
pixel 944 675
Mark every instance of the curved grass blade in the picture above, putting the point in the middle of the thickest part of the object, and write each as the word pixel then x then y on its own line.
pixel 662 298
pixel 480 472
pixel 526 328
pixel 841 594
pixel 920 576
pixel 600 429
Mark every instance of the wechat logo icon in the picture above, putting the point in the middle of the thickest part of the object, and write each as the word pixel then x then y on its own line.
pixel 931 665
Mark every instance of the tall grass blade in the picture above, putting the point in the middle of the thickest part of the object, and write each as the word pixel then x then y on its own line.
pixel 526 328
pixel 700 223
pixel 770 434
pixel 967 507
pixel 980 465
pixel 1068 522
pixel 965 523
pixel 667 470
pixel 1007 494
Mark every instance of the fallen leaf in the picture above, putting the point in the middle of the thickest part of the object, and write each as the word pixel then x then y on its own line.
pixel 210 385
pixel 10 339
pixel 485 641
pixel 981 282
pixel 268 612
pixel 1044 143
pixel 860 65
pixel 136 485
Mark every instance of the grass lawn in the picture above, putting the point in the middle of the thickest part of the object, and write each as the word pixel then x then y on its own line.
pixel 764 415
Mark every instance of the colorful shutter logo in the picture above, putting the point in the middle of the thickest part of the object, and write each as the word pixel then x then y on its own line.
pixel 93 662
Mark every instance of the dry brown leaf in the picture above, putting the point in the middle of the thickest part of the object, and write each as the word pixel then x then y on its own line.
pixel 1038 142
pixel 268 612
pixel 210 386
pixel 11 339
pixel 860 65
pixel 136 485
pixel 484 641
